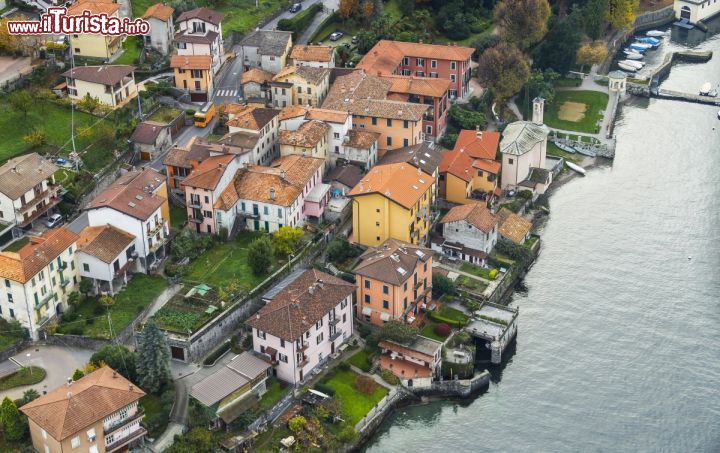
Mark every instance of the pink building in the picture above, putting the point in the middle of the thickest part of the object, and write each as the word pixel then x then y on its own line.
pixel 303 324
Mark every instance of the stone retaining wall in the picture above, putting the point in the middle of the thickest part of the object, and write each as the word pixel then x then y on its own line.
pixel 14 349
pixel 455 388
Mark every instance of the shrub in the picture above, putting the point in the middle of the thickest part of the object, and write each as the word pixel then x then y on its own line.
pixel 363 330
pixel 259 253
pixel 435 316
pixel 344 366
pixel 98 310
pixel 75 330
pixel 90 321
pixel 389 377
pixel 326 389
pixel 365 384
pixel 442 329
pixel 190 112
pixel 442 285
pixel 526 194
pixel 493 274
pixel 213 356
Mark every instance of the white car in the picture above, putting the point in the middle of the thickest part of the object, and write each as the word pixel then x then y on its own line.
pixel 336 35
pixel 53 220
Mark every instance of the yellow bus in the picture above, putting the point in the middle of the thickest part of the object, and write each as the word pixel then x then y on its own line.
pixel 205 115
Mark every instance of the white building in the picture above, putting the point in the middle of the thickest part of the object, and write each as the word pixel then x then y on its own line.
pixel 303 324
pixel 112 85
pixel 105 256
pixel 696 10
pixel 261 122
pixel 313 56
pixel 162 28
pixel 470 232
pixel 37 279
pixel 266 49
pixel 200 33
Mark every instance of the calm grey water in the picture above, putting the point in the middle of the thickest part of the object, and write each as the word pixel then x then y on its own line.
pixel 619 338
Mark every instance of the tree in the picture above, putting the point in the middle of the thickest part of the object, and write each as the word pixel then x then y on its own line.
pixel 504 70
pixel 74 298
pixel 558 49
pixel 406 7
pixel 485 42
pixel 442 285
pixel 153 358
pixel 8 43
pixel 368 10
pixel 347 434
pixel 77 375
pixel 86 286
pixel 89 103
pixel 366 40
pixel 11 420
pixel 285 240
pixel 339 249
pixel 29 395
pixel 522 22
pixel 397 331
pixel 593 14
pixel 621 13
pixel 463 118
pixel 20 101
pixel 37 137
pixel 188 244
pixel 348 8
pixel 590 54
pixel 365 384
pixel 259 253
pixel 117 357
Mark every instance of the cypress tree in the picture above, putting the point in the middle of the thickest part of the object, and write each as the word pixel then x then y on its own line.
pixel 153 358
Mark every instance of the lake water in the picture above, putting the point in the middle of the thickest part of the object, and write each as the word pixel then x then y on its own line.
pixel 619 338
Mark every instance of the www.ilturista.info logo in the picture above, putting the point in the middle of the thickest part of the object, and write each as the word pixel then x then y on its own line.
pixel 57 22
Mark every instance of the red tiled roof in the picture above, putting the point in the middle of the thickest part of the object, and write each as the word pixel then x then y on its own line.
pixel 133 194
pixel 386 55
pixel 22 265
pixel 205 14
pixel 476 214
pixel 478 144
pixel 208 174
pixel 159 11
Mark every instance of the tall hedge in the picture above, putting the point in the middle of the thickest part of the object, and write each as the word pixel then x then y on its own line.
pixel 301 21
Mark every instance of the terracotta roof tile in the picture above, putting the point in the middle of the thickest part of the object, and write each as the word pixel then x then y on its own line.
pixel 68 410
pixel 105 74
pixel 205 14
pixel 476 214
pixel 94 6
pixel 311 75
pixel 253 117
pixel 296 308
pixel 207 38
pixel 256 75
pixel 478 144
pixel 191 61
pixel 392 262
pixel 207 175
pixel 292 111
pixel 146 132
pixel 401 183
pixel 348 175
pixel 20 174
pixel 304 52
pixel 159 11
pixel 512 226
pixel 22 265
pixel 133 194
pixel 386 55
pixel 105 243
pixel 329 116
pixel 423 86
pixel 306 136
pixel 361 139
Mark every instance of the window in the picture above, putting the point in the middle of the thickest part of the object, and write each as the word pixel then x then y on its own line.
pixel 367 284
pixel 343 304
pixel 406 123
pixel 386 290
pixel 388 140
pixel 405 142
pixel 319 338
pixel 91 435
pixel 425 267
pixel 510 161
pixel 261 334
pixel 405 61
pixel 373 120
pixel 7 283
pixel 420 73
pixel 52 266
pixel 282 357
pixel 181 45
pixel 299 89
pixel 280 213
pixel 309 91
pixel 10 298
pixel 452 77
pixel 389 122
pixel 386 304
pixel 196 74
pixel 433 63
pixel 405 287
pixel 197 85
pixel 319 324
pixel 453 65
pixel 367 298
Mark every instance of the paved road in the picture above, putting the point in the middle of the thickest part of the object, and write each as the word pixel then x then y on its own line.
pixel 59 362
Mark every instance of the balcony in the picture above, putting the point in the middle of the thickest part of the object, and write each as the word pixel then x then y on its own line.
pixel 428 117
pixel 303 361
pixel 42 209
pixel 64 283
pixel 195 219
pixel 114 426
pixel 157 244
pixel 334 321
pixel 303 347
pixel 335 335
pixel 158 226
pixel 45 299
pixel 195 204
pixel 39 197
pixel 120 443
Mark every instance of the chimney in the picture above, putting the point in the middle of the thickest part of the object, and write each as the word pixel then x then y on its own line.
pixel 478 132
pixel 272 193
pixel 282 173
pixel 311 290
pixel 114 374
pixel 320 283
pixel 130 387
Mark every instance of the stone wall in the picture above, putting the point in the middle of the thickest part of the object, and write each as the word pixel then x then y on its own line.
pixel 455 388
pixel 75 341
pixel 14 349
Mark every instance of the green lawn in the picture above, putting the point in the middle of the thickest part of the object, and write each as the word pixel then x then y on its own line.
pixel 560 83
pixel 476 271
pixel 131 51
pixel 429 332
pixel 23 376
pixel 275 392
pixel 553 150
pixel 17 245
pixel 471 283
pixel 178 216
pixel 355 404
pixel 240 15
pixel 595 102
pixel 140 291
pixel 530 242
pixel 269 441
pixel 226 262
pixel 363 359
pixel 453 314
pixel 153 406
pixel 164 114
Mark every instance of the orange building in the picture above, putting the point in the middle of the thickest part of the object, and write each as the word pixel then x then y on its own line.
pixel 470 170
pixel 193 73
pixel 393 280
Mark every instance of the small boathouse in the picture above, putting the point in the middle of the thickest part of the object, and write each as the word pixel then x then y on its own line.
pixel 494 328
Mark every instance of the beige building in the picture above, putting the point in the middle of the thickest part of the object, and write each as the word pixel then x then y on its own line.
pixel 300 86
pixel 27 190
pixel 112 85
pixel 310 139
pixel 266 49
pixel 200 33
pixel 98 413
pixel 95 46
pixel 160 18
pixel 314 56
pixel 193 73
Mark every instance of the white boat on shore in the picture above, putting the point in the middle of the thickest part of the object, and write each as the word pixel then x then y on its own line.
pixel 575 167
pixel 634 56
pixel 566 148
pixel 626 67
pixel 655 33
pixel 635 64
pixel 586 151
pixel 642 45
pixel 706 89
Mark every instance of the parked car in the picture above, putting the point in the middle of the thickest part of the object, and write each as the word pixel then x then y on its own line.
pixel 354 40
pixel 336 35
pixel 53 220
pixel 295 8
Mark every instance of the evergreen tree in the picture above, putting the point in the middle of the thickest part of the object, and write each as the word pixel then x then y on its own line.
pixel 259 253
pixel 153 358
pixel 77 375
pixel 12 421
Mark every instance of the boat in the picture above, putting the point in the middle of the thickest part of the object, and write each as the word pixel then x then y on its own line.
pixel 634 56
pixel 566 148
pixel 575 167
pixel 655 33
pixel 635 64
pixel 626 67
pixel 636 48
pixel 586 151
pixel 641 45
pixel 706 89
pixel 652 41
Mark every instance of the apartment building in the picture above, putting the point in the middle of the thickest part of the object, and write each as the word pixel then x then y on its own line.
pixel 162 28
pixel 37 279
pixel 303 324
pixel 257 121
pixel 97 413
pixel 470 232
pixel 101 47
pixel 194 74
pixel 426 91
pixel 200 33
pixel 470 172
pixel 310 139
pixel 105 255
pixel 393 280
pixel 266 49
pixel 112 85
pixel 303 85
pixel 313 55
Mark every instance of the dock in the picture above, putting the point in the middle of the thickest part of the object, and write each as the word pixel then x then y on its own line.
pixel 687 97
pixel 494 327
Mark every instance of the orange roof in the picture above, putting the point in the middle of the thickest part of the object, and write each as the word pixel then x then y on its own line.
pixel 94 6
pixel 159 11
pixel 105 242
pixel 307 136
pixel 191 61
pixel 513 226
pixel 69 409
pixel 304 52
pixel 329 116
pixel 292 111
pixel 423 86
pixel 457 163
pixel 478 144
pixel 492 166
pixel 476 214
pixel 22 265
pixel 256 75
pixel 401 183
pixel 252 117
pixel 207 175
pixel 386 55
pixel 134 194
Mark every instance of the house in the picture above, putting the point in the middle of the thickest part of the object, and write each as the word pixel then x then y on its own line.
pixel 180 162
pixel 524 148
pixel 151 139
pixel 287 193
pixel 393 280
pixel 424 156
pixel 97 413
pixel 136 203
pixel 417 362
pixel 310 139
pixel 469 171
pixel 27 190
pixel 449 62
pixel 695 11
pixel 343 178
pixel 256 84
pixel 233 388
pixel 87 45
pixel 200 33
pixel 303 324
pixel 340 124
pixel 422 90
pixel 160 18
pixel 359 148
pixel 513 227
pixel 258 121
pixel 203 188
pixel 38 278
pixel 302 85
pixel 112 85
pixel 313 56
pixel 194 74
pixel 392 201
pixel 470 232
pixel 266 49
pixel 366 98
pixel 105 256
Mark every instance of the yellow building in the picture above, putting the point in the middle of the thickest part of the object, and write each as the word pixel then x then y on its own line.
pixel 310 139
pixel 470 170
pixel 95 46
pixel 300 86
pixel 112 85
pixel 392 201
pixel 193 73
